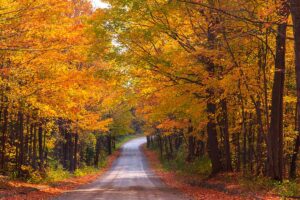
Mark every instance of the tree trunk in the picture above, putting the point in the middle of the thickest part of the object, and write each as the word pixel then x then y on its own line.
pixel 170 145
pixel 160 144
pixel 165 141
pixel 293 165
pixel 260 138
pixel 26 147
pixel 244 157
pixel 4 138
pixel 76 150
pixel 212 138
pixel 148 141
pixel 238 152
pixel 178 140
pixel 21 141
pixel 275 135
pixel 97 153
pixel 71 152
pixel 212 141
pixel 34 148
pixel 40 141
pixel 295 11
pixel 65 149
pixel 109 146
pixel 224 126
pixel 114 142
pixel 191 144
pixel 250 145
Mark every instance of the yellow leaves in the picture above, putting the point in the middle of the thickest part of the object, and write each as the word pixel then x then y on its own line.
pixel 92 122
pixel 49 71
pixel 169 125
pixel 290 99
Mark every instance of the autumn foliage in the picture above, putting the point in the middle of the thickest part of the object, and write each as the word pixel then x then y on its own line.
pixel 56 108
pixel 217 79
pixel 201 78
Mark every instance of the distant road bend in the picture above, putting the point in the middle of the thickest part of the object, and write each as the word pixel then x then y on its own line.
pixel 129 178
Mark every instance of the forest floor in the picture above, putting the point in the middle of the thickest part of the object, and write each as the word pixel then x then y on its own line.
pixel 223 186
pixel 19 190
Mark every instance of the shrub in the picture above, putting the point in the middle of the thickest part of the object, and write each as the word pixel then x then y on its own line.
pixel 287 188
pixel 200 166
pixel 58 174
pixel 85 171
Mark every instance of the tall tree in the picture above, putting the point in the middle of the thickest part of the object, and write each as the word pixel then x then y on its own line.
pixel 275 135
pixel 295 11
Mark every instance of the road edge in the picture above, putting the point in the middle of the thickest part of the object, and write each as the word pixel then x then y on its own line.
pixel 51 192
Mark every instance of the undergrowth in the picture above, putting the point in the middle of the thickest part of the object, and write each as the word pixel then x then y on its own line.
pixel 285 189
pixel 56 173
pixel 201 168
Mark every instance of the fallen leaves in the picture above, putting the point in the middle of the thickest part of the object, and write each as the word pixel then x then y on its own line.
pixel 17 190
pixel 211 189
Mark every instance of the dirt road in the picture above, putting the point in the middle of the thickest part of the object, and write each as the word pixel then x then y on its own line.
pixel 129 178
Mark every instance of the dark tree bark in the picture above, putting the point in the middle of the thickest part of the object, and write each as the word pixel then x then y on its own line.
pixel 21 142
pixel 30 145
pixel 114 142
pixel 243 151
pixel 40 141
pixel 71 152
pixel 34 149
pixel 275 135
pixel 178 140
pixel 109 146
pixel 76 138
pixel 165 142
pixel 212 138
pixel 260 138
pixel 148 141
pixel 293 165
pixel 191 144
pixel 225 131
pixel 250 145
pixel 295 11
pixel 212 141
pixel 238 152
pixel 244 155
pixel 160 144
pixel 97 153
pixel 170 144
pixel 4 138
pixel 65 148
pixel 27 137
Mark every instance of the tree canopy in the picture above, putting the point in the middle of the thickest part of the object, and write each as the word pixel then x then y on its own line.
pixel 211 78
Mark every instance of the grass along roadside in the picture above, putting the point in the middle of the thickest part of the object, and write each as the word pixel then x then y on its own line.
pixel 125 139
pixel 57 181
pixel 224 186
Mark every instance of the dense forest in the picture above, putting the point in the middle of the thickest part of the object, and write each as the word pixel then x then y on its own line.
pixel 59 104
pixel 216 79
pixel 220 78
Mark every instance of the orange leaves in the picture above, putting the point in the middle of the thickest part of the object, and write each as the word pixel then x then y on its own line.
pixel 91 122
pixel 169 124
pixel 48 71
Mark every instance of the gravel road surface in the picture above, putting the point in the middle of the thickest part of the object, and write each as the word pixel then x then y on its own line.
pixel 129 178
